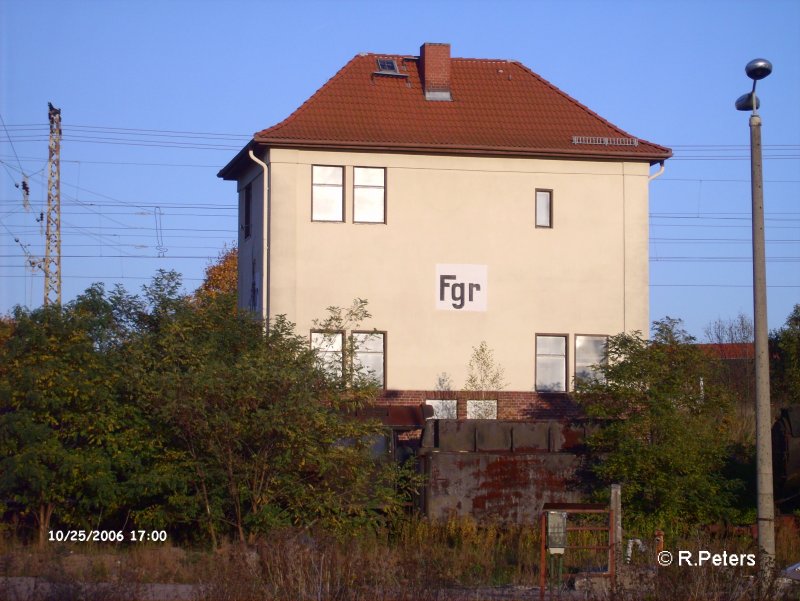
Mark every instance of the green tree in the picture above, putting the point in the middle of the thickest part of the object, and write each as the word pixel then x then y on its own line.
pixel 61 427
pixel 484 374
pixel 663 412
pixel 785 361
pixel 264 427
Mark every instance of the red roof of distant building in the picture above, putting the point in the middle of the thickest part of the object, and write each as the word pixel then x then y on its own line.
pixel 731 350
pixel 496 107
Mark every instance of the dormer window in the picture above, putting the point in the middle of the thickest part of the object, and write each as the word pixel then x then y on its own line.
pixel 387 65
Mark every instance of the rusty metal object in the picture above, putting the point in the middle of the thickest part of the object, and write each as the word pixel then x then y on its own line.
pixel 578 508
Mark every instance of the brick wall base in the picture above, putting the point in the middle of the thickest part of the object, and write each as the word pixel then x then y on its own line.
pixel 510 404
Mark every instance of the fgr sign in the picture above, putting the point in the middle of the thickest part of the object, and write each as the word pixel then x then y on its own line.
pixel 461 287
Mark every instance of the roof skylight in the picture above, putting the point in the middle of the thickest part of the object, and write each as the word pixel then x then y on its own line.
pixel 387 65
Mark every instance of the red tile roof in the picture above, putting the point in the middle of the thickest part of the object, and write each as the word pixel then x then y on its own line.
pixel 498 107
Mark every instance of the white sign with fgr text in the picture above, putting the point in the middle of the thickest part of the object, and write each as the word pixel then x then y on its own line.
pixel 461 287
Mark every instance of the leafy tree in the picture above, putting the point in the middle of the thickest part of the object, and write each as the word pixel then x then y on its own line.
pixel 785 361
pixel 171 410
pixel 221 275
pixel 263 426
pixel 732 342
pixel 483 372
pixel 61 428
pixel 663 413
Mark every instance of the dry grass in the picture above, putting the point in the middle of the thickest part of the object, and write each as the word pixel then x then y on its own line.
pixel 421 560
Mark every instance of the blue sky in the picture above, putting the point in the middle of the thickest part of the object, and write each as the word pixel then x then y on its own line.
pixel 156 96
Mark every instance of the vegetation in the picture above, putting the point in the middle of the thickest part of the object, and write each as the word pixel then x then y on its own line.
pixel 454 560
pixel 174 412
pixel 180 413
pixel 785 361
pixel 664 415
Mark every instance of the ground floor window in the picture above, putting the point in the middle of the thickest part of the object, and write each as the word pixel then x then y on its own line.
pixel 590 351
pixel 482 409
pixel 444 408
pixel 329 347
pixel 369 355
pixel 551 363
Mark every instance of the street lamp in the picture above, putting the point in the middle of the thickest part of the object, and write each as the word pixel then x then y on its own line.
pixel 758 69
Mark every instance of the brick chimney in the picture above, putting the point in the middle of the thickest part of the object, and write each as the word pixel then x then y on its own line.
pixel 434 61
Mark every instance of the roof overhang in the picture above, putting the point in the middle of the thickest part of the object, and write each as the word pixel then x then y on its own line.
pixel 235 165
pixel 455 149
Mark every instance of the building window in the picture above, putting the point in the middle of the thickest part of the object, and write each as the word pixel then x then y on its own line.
pixel 369 354
pixel 329 346
pixel 387 65
pixel 369 195
pixel 444 408
pixel 544 208
pixel 590 351
pixel 327 193
pixel 481 409
pixel 551 363
pixel 248 209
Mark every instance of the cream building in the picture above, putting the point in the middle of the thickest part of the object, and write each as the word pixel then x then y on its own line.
pixel 466 200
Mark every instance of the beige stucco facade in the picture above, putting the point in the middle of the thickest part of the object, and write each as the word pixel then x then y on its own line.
pixel 585 275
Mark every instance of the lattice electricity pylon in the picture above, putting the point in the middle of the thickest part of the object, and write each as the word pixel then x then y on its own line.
pixel 52 252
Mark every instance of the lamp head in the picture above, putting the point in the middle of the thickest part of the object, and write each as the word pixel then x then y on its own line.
pixel 745 102
pixel 758 68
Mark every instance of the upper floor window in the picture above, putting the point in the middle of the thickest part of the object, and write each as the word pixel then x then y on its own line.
pixel 544 208
pixel 590 352
pixel 551 363
pixel 327 193
pixel 369 354
pixel 369 195
pixel 248 210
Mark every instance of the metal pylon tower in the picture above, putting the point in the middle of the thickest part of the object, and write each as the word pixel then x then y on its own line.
pixel 52 251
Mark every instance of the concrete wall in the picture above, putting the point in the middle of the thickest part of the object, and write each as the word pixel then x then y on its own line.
pixel 499 470
pixel 586 275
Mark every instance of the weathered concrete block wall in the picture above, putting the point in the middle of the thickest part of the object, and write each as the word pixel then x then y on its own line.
pixel 500 470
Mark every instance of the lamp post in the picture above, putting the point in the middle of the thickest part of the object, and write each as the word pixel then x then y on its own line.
pixel 758 69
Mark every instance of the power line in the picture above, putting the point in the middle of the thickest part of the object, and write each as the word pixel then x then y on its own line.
pixel 123 256
pixel 720 286
pixel 104 277
pixel 11 143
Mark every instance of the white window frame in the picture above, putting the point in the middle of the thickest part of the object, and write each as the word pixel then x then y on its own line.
pixel 317 188
pixel 541 355
pixel 544 195
pixel 444 408
pixel 359 187
pixel 329 346
pixel 481 409
pixel 582 364
pixel 359 352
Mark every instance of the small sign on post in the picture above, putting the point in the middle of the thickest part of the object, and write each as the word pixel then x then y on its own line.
pixel 556 532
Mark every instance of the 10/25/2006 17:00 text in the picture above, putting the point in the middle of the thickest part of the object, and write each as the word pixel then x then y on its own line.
pixel 107 536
